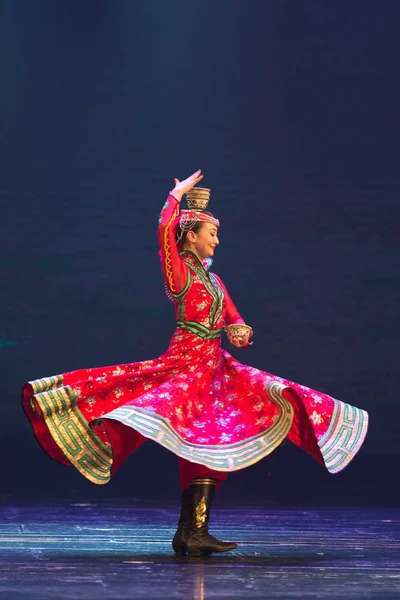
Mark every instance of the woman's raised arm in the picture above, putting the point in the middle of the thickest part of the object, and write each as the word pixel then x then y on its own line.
pixel 174 269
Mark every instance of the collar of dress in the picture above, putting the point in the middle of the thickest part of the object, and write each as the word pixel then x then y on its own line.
pixel 194 260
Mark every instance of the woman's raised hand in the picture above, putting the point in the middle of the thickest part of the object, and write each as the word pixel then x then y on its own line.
pixel 181 187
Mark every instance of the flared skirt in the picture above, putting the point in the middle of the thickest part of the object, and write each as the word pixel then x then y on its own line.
pixel 197 401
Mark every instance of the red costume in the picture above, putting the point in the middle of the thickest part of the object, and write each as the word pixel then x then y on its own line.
pixel 216 414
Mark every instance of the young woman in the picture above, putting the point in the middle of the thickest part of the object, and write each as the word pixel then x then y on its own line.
pixel 216 414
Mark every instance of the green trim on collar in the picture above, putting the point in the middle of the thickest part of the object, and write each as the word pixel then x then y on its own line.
pixel 196 258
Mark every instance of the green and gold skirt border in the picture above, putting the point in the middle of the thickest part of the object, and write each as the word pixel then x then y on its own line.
pixel 69 429
pixel 344 437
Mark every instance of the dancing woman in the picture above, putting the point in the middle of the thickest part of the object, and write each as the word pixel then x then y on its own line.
pixel 216 414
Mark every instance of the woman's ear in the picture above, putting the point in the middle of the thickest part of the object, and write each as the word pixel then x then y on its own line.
pixel 191 236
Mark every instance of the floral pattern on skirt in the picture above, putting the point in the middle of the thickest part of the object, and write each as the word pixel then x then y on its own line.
pixel 197 401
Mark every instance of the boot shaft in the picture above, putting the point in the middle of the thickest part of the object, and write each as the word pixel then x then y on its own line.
pixel 202 492
pixel 186 509
pixel 192 535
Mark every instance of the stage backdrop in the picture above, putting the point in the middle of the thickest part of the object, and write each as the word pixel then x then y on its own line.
pixel 292 111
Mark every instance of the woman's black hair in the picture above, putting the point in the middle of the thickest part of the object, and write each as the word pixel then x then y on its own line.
pixel 196 228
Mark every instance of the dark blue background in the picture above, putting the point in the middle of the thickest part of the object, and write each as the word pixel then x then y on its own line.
pixel 291 109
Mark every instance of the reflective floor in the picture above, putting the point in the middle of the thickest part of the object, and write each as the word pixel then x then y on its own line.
pixel 103 552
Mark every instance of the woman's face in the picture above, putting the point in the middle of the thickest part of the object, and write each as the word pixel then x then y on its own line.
pixel 205 241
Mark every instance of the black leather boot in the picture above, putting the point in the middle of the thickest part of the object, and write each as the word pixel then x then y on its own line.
pixel 198 541
pixel 179 541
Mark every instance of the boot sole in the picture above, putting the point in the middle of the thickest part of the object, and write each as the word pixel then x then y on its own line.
pixel 199 552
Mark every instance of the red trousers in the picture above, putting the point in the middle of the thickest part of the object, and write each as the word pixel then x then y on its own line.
pixel 125 440
pixel 190 470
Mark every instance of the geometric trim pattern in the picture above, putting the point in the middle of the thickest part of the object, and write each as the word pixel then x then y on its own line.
pixel 46 383
pixel 344 437
pixel 72 434
pixel 226 457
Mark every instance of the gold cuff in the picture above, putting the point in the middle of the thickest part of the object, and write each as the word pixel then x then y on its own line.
pixel 203 481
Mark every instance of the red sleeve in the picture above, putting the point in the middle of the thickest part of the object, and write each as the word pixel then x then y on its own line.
pixel 174 269
pixel 232 316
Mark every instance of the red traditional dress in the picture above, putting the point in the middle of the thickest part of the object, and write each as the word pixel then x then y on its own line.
pixel 196 400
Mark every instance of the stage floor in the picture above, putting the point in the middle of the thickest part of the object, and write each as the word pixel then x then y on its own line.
pixel 114 552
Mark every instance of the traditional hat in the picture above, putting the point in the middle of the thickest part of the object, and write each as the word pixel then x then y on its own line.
pixel 197 200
